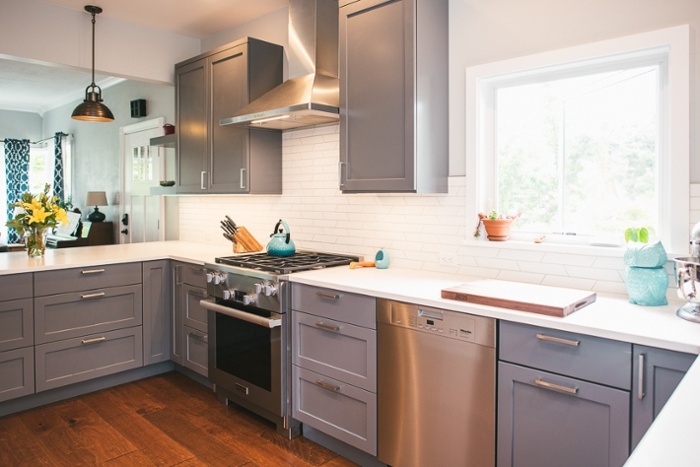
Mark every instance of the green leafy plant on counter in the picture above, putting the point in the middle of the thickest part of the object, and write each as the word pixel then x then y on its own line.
pixel 637 234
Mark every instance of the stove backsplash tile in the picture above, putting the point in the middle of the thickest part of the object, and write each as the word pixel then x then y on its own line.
pixel 416 229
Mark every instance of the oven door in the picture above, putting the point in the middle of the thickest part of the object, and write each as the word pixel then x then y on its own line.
pixel 245 355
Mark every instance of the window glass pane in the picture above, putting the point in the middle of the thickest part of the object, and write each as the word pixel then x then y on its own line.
pixel 579 155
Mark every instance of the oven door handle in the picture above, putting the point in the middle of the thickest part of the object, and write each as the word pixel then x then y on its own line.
pixel 242 315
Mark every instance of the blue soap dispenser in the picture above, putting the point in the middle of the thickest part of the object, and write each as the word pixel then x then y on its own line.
pixel 381 259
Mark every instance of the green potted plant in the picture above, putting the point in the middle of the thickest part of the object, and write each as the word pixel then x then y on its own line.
pixel 497 225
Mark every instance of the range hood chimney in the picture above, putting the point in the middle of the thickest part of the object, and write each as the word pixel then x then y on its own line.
pixel 311 95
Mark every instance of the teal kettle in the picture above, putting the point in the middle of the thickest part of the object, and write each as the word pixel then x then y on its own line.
pixel 280 243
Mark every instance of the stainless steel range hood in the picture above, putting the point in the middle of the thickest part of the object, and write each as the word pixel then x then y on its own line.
pixel 311 96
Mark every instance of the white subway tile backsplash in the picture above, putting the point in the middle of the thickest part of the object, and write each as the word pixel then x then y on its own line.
pixel 416 230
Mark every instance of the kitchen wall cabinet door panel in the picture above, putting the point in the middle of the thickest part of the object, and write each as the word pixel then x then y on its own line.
pixel 192 145
pixel 16 324
pixel 156 311
pixel 393 96
pixel 546 427
pixel 17 370
pixel 657 373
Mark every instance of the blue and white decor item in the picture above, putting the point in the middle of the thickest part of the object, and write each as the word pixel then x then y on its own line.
pixel 645 275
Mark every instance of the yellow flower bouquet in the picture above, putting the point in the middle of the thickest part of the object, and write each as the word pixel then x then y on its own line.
pixel 34 216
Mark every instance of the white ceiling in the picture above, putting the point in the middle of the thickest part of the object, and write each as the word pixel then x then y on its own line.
pixel 36 87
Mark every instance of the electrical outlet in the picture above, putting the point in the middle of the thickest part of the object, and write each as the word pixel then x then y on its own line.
pixel 447 259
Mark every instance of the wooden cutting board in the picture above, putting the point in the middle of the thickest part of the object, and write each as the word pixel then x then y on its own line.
pixel 552 301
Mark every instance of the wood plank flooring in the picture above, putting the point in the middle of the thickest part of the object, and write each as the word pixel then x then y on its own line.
pixel 164 420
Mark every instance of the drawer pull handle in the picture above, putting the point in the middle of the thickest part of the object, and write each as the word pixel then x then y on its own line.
pixel 328 386
pixel 92 271
pixel 557 387
pixel 332 296
pixel 93 341
pixel 557 340
pixel 92 295
pixel 640 381
pixel 327 327
pixel 200 337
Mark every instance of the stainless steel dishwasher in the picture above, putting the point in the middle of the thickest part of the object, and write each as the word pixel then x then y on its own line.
pixel 436 386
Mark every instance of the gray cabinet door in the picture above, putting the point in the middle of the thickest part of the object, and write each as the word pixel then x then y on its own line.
pixel 579 425
pixel 17 373
pixel 191 112
pixel 156 312
pixel 16 324
pixel 393 96
pixel 196 355
pixel 189 287
pixel 656 374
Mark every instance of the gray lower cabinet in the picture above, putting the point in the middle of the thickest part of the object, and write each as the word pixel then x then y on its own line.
pixel 393 95
pixel 656 374
pixel 212 86
pixel 87 323
pixel 189 332
pixel 16 336
pixel 156 311
pixel 334 372
pixel 561 399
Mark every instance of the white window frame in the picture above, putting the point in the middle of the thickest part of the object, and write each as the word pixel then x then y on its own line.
pixel 674 148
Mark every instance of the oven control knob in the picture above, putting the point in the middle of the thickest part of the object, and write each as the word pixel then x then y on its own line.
pixel 270 290
pixel 210 277
pixel 259 287
pixel 248 299
pixel 229 294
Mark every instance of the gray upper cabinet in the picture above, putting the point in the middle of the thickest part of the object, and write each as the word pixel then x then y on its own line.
pixel 212 86
pixel 656 374
pixel 393 63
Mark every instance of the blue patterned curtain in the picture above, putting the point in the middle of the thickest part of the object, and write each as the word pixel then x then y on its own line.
pixel 17 177
pixel 58 186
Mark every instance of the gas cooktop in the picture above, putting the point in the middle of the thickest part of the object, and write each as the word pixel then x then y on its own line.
pixel 299 261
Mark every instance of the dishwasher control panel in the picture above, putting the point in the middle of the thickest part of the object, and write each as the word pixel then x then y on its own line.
pixel 446 323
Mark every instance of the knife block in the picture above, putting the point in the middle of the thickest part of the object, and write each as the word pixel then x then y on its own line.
pixel 245 242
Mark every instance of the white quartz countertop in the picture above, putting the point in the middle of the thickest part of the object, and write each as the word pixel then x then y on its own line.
pixel 670 440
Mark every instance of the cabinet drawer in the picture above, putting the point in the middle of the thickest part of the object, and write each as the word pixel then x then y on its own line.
pixel 17 370
pixel 15 286
pixel 88 278
pixel 343 306
pixel 196 356
pixel 16 324
pixel 585 357
pixel 194 315
pixel 74 360
pixel 338 409
pixel 191 274
pixel 76 314
pixel 333 348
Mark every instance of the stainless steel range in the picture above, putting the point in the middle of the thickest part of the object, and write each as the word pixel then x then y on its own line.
pixel 249 335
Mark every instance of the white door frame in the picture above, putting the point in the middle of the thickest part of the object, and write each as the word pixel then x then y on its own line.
pixel 135 128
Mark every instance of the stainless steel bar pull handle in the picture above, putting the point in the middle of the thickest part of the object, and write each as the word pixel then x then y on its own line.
pixel 327 327
pixel 341 181
pixel 557 340
pixel 202 176
pixel 328 386
pixel 200 337
pixel 242 178
pixel 86 296
pixel 332 296
pixel 92 271
pixel 640 378
pixel 556 387
pixel 94 340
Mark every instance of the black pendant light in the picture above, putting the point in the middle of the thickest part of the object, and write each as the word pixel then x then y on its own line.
pixel 92 109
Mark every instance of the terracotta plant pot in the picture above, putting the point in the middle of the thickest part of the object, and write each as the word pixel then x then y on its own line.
pixel 497 230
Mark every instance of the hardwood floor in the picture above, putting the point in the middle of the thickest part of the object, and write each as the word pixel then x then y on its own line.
pixel 164 420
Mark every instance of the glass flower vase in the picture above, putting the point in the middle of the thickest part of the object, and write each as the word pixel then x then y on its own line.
pixel 35 240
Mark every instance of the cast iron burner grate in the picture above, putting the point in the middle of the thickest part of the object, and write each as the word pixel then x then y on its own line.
pixel 299 261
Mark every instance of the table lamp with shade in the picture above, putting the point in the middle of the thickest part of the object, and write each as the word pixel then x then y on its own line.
pixel 96 198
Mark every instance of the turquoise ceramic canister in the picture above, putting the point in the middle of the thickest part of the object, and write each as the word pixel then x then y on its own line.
pixel 645 255
pixel 647 286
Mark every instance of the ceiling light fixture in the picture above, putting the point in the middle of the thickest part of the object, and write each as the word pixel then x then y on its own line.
pixel 92 109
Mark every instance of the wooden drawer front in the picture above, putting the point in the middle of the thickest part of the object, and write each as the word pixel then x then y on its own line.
pixel 338 409
pixel 17 370
pixel 88 278
pixel 194 315
pixel 585 357
pixel 15 286
pixel 16 324
pixel 342 306
pixel 196 357
pixel 192 274
pixel 76 314
pixel 74 360
pixel 336 349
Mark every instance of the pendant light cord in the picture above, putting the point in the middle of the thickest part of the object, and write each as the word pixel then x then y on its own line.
pixel 93 49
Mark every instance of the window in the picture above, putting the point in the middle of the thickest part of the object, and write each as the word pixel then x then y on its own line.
pixel 584 141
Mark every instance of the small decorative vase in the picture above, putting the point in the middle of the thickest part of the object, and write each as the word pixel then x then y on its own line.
pixel 35 240
pixel 497 230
